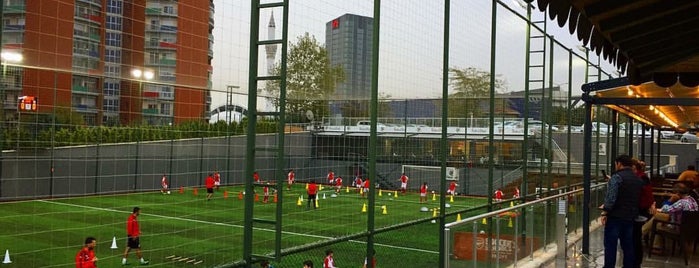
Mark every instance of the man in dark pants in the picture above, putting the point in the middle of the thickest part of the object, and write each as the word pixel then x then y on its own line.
pixel 620 209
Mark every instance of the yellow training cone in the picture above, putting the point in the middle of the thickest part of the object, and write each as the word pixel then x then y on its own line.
pixel 485 221
pixel 512 203
pixel 361 190
pixel 434 196
pixel 451 199
pixel 364 208
pixel 298 203
pixel 458 217
pixel 384 212
pixel 320 188
pixel 380 192
pixel 509 224
pixel 434 212
pixel 395 193
pixel 317 203
pixel 347 190
pixel 306 186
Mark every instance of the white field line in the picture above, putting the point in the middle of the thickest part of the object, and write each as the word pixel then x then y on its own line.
pixel 231 225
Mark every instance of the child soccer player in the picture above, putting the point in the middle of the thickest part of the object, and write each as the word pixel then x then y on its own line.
pixel 338 184
pixel 403 183
pixel 163 183
pixel 265 192
pixel 423 192
pixel 452 188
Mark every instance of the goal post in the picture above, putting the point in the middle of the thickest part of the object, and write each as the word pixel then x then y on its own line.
pixel 430 174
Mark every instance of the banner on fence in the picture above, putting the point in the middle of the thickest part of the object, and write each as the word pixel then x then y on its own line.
pixel 507 245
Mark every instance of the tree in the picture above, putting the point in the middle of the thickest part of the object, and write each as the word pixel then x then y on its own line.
pixel 310 79
pixel 471 92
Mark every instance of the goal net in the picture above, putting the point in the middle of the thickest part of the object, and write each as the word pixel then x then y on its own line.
pixel 430 174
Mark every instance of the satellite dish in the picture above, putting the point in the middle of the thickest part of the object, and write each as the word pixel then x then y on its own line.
pixel 309 115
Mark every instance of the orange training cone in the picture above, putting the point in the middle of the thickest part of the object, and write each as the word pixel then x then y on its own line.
pixel 240 195
pixel 275 198
pixel 196 191
pixel 181 189
pixel 225 194
pixel 257 197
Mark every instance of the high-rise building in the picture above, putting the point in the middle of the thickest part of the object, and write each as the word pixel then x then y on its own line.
pixel 82 56
pixel 348 40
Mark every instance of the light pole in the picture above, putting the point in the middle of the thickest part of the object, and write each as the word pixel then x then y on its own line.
pixel 140 76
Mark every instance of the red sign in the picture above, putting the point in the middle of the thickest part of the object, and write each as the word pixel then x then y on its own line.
pixel 336 23
pixel 505 247
pixel 27 103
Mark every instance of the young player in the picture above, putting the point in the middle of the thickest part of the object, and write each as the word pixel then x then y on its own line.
pixel 516 193
pixel 366 187
pixel 498 195
pixel 256 177
pixel 163 184
pixel 209 186
pixel 329 262
pixel 290 179
pixel 358 183
pixel 423 192
pixel 338 184
pixel 452 188
pixel 331 177
pixel 312 192
pixel 86 256
pixel 217 179
pixel 403 183
pixel 265 192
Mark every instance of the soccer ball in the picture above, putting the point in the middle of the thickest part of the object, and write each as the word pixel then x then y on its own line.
pixel 389 194
pixel 168 192
pixel 433 192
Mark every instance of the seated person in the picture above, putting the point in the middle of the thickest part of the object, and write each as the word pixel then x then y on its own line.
pixel 672 209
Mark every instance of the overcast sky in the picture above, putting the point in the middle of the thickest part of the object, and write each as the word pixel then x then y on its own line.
pixel 411 43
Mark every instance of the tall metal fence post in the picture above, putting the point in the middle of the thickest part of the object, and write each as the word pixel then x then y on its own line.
pixel 561 234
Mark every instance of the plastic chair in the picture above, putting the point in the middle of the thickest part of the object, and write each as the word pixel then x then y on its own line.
pixel 685 233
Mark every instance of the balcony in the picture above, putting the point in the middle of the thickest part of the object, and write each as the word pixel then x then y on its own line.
pixel 154 11
pixel 14 9
pixel 79 88
pixel 150 111
pixel 162 62
pixel 13 27
pixel 167 78
pixel 162 28
pixel 161 45
pixel 92 2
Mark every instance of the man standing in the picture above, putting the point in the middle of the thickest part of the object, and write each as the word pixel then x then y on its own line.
pixel 133 234
pixel 331 177
pixel 620 208
pixel 290 179
pixel 312 192
pixel 403 183
pixel 209 186
pixel 86 256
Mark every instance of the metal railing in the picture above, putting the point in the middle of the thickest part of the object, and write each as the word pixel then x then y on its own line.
pixel 529 229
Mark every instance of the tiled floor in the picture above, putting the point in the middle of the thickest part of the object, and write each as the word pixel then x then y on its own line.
pixel 596 257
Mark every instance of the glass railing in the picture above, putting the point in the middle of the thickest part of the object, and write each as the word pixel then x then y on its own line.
pixel 520 234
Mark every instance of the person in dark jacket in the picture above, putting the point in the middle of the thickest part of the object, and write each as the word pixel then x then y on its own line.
pixel 620 208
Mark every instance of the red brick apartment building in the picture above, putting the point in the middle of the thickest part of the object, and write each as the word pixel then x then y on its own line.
pixel 112 61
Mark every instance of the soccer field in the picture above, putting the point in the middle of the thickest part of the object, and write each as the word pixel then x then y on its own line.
pixel 48 233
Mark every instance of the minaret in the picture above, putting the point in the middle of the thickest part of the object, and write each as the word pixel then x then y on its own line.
pixel 271 49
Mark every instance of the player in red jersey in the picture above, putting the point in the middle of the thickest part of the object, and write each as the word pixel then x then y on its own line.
pixel 498 195
pixel 210 182
pixel 358 183
pixel 366 187
pixel 516 193
pixel 256 177
pixel 329 262
pixel 338 184
pixel 163 184
pixel 290 179
pixel 331 177
pixel 452 188
pixel 86 256
pixel 423 192
pixel 133 233
pixel 403 183
pixel 217 179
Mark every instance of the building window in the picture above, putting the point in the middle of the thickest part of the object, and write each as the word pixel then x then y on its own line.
pixel 113 39
pixel 169 10
pixel 114 23
pixel 114 6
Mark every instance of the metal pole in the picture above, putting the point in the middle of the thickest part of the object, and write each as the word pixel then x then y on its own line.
pixel 587 159
pixel 443 141
pixel 138 142
pixel 373 140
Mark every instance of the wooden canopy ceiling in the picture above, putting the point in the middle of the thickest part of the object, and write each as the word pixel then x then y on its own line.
pixel 646 39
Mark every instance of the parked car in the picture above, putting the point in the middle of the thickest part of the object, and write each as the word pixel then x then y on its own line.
pixel 689 137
